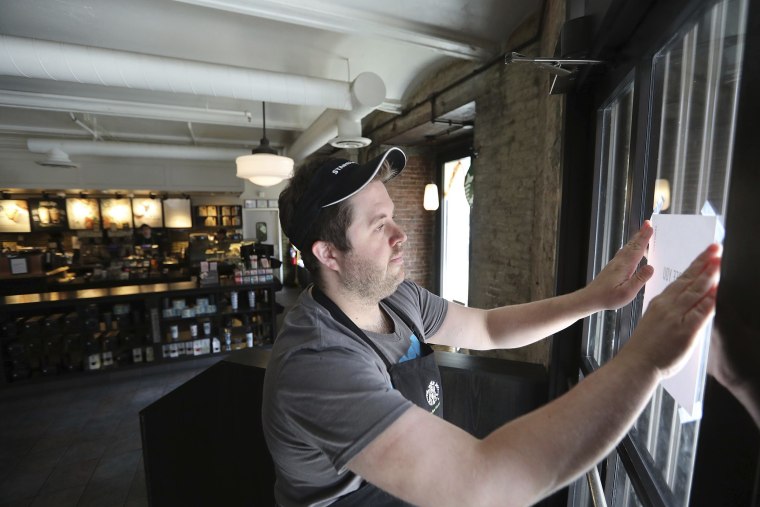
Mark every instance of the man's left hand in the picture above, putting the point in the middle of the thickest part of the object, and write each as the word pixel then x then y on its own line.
pixel 621 279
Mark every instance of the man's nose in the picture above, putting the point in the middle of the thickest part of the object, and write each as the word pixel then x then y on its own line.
pixel 398 236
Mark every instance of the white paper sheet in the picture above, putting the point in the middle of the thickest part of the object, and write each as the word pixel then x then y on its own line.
pixel 677 240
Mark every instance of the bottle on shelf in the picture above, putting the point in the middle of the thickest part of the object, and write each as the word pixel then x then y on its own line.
pixel 227 336
pixel 248 330
pixel 92 350
pixel 215 345
pixel 72 352
pixel 234 300
pixel 251 299
pixel 109 344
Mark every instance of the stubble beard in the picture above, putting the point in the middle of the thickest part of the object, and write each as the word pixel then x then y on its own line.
pixel 364 281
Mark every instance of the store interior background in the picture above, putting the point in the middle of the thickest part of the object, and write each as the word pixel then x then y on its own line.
pixel 448 95
pixel 444 72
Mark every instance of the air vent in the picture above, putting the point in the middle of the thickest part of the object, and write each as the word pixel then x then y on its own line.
pixel 345 143
pixel 57 158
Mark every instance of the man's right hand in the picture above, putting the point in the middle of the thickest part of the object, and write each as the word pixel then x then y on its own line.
pixel 668 329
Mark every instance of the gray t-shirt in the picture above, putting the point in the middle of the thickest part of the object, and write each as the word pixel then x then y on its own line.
pixel 327 395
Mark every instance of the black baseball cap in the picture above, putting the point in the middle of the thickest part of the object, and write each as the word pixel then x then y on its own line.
pixel 335 180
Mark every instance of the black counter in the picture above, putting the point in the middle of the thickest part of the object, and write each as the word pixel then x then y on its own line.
pixel 203 442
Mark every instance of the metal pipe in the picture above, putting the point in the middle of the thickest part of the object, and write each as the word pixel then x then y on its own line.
pixel 596 488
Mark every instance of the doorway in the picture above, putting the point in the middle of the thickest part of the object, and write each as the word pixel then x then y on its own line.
pixel 455 231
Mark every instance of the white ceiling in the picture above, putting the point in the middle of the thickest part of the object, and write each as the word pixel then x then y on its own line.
pixel 400 41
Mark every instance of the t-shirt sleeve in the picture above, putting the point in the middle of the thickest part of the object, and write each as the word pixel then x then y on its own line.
pixel 430 309
pixel 337 400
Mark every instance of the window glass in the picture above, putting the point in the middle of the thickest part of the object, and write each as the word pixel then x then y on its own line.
pixel 614 194
pixel 700 75
pixel 696 77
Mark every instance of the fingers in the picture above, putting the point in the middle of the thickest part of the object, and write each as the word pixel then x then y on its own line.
pixel 692 295
pixel 636 247
pixel 708 259
pixel 703 308
pixel 644 273
pixel 640 240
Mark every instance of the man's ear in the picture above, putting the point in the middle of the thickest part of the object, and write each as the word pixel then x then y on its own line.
pixel 325 252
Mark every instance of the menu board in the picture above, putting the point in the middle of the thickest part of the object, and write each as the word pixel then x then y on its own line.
pixel 14 216
pixel 48 214
pixel 83 213
pixel 218 216
pixel 177 214
pixel 147 211
pixel 117 213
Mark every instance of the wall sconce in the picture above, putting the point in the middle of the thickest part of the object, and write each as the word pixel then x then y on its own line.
pixel 152 195
pixel 83 195
pixel 430 200
pixel 661 193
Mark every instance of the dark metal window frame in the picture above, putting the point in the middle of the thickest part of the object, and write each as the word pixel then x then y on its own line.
pixel 647 33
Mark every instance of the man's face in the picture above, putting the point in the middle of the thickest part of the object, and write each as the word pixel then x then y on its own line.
pixel 145 232
pixel 374 267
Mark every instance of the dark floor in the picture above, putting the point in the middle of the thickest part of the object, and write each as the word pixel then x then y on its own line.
pixel 78 443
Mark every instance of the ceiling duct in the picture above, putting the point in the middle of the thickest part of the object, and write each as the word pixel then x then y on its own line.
pixel 57 158
pixel 115 149
pixel 33 58
pixel 346 103
pixel 342 129
pixel 349 134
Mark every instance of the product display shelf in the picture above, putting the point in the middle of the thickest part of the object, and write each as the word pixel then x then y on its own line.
pixel 58 335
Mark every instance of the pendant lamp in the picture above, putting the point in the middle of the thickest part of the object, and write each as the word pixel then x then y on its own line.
pixel 430 199
pixel 264 167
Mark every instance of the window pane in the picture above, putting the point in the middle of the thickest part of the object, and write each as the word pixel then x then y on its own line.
pixel 614 196
pixel 624 494
pixel 699 71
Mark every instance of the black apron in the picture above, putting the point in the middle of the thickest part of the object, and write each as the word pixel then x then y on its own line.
pixel 418 380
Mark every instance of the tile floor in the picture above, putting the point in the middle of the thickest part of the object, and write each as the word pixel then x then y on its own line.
pixel 80 445
pixel 77 443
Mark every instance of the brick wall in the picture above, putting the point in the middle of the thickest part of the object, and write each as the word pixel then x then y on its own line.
pixel 517 174
pixel 419 224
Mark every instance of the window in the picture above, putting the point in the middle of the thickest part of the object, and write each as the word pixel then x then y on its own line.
pixel 693 98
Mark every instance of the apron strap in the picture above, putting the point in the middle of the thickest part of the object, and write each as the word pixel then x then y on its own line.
pixel 338 314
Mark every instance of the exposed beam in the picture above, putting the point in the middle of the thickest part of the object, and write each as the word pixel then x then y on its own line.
pixel 328 16
pixel 120 108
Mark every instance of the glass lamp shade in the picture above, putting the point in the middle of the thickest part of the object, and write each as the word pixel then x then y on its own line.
pixel 662 192
pixel 430 201
pixel 264 169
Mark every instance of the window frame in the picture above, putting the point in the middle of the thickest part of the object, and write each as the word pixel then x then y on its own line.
pixel 651 34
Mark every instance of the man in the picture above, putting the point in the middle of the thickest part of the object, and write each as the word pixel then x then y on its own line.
pixel 144 236
pixel 150 243
pixel 351 393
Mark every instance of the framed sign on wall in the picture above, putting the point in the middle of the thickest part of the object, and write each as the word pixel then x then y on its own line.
pixel 83 213
pixel 14 216
pixel 147 211
pixel 48 214
pixel 117 213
